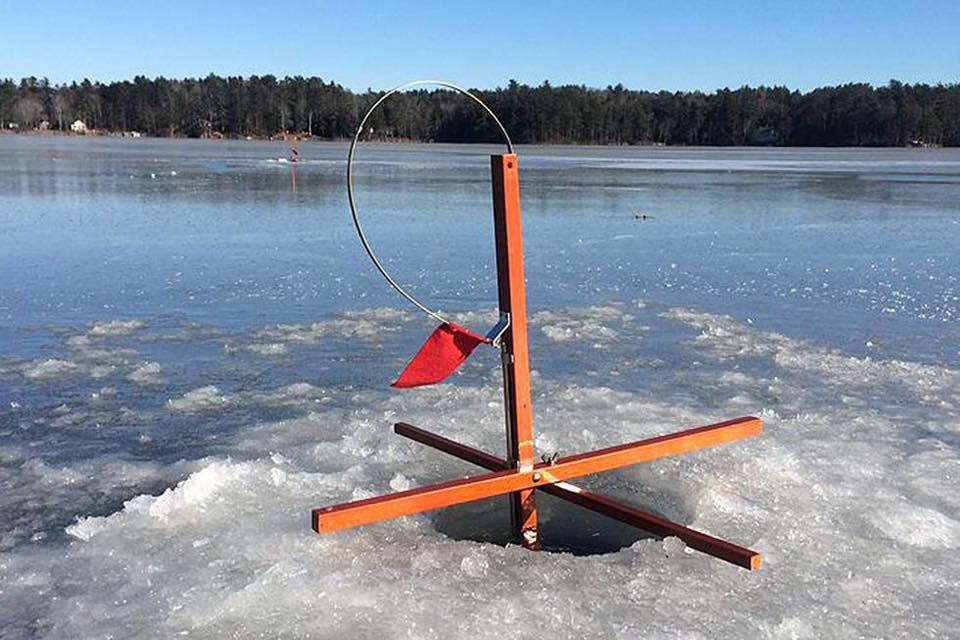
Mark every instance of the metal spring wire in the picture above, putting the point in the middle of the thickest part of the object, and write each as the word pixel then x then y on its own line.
pixel 352 199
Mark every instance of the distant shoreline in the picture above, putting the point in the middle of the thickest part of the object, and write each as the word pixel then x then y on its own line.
pixel 127 135
pixel 896 114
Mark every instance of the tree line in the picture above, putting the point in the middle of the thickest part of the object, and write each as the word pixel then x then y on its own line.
pixel 857 114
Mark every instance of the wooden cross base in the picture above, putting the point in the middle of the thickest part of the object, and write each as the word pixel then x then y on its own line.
pixel 551 477
pixel 518 475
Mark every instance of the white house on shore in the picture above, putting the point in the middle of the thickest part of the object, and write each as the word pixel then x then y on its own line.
pixel 78 126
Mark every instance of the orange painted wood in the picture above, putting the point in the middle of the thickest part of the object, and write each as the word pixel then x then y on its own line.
pixel 504 171
pixel 732 553
pixel 353 514
pixel 583 464
pixel 454 448
pixel 402 503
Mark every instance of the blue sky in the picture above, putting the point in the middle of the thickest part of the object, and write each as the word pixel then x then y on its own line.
pixel 649 45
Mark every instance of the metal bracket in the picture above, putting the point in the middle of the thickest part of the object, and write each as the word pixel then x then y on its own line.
pixel 496 333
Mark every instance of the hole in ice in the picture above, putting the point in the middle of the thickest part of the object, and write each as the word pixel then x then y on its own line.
pixel 564 527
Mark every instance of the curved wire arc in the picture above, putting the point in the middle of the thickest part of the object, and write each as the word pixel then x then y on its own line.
pixel 350 195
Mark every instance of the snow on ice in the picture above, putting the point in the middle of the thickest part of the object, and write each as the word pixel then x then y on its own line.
pixel 851 495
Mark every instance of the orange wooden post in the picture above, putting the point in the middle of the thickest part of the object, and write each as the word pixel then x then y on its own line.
pixel 516 363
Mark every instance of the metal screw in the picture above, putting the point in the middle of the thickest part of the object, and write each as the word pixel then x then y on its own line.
pixel 536 477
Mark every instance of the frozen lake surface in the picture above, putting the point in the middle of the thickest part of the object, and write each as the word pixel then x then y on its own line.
pixel 194 352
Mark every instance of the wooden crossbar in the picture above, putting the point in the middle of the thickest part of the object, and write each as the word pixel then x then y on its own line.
pixel 732 553
pixel 444 494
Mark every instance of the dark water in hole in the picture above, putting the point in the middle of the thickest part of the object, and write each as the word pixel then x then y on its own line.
pixel 564 527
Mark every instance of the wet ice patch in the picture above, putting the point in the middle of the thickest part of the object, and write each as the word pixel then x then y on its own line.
pixel 113 328
pixel 189 332
pixel 794 629
pixel 49 369
pixel 918 526
pixel 267 348
pixel 365 324
pixel 295 391
pixel 475 564
pixel 200 400
pixel 835 482
pixel 479 321
pixel 233 537
pixel 103 393
pixel 595 324
pixel 189 497
pixel 210 399
pixel 94 354
pixel 38 497
pixel 78 342
pixel 83 363
pixel 725 338
pixel 148 373
pixel 87 358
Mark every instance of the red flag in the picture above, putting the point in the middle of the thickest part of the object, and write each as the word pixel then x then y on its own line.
pixel 440 355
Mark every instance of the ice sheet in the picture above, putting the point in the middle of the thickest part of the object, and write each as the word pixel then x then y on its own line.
pixel 189 364
pixel 850 495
